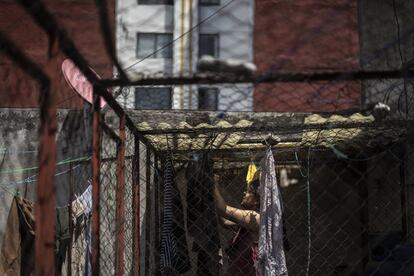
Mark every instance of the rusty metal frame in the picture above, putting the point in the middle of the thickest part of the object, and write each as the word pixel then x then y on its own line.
pixel 148 211
pixel 136 218
pixel 120 201
pixel 45 202
pixel 45 207
pixel 96 168
pixel 157 214
pixel 70 211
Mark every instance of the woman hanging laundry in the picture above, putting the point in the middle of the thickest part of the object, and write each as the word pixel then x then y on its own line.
pixel 258 246
pixel 243 249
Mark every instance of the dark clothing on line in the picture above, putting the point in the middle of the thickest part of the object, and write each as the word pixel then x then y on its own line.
pixel 17 252
pixel 202 218
pixel 174 249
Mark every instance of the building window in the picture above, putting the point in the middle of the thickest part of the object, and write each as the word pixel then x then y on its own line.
pixel 209 2
pixel 156 2
pixel 153 98
pixel 149 43
pixel 208 44
pixel 208 98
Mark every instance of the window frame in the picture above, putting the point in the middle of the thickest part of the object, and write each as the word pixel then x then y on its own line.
pixel 155 42
pixel 216 100
pixel 217 35
pixel 139 2
pixel 170 93
pixel 209 4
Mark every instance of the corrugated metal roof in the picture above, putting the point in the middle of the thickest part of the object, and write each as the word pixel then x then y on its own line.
pixel 195 130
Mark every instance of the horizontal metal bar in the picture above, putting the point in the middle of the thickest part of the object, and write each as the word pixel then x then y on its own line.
pixel 246 155
pixel 260 141
pixel 222 78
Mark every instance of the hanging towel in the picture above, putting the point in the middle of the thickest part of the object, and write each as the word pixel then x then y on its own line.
pixel 271 261
pixel 174 250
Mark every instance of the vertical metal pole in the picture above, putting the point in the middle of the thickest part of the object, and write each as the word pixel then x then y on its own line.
pixel 71 183
pixel 120 201
pixel 45 212
pixel 364 216
pixel 96 166
pixel 157 215
pixel 136 207
pixel 147 210
pixel 404 193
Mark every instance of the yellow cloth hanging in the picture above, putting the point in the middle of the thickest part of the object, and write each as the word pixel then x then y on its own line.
pixel 251 171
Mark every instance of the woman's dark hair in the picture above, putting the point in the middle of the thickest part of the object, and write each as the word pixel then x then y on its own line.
pixel 253 187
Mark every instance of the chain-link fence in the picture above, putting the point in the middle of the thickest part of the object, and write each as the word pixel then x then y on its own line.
pixel 150 170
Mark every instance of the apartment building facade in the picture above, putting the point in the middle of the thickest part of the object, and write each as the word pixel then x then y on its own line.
pixel 167 38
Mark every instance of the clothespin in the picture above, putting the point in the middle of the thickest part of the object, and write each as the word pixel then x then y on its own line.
pixel 252 157
pixel 270 141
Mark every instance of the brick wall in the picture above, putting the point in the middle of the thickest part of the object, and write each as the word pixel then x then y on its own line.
pixel 79 18
pixel 306 36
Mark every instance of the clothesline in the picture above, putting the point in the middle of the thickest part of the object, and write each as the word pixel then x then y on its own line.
pixel 31 179
pixel 63 162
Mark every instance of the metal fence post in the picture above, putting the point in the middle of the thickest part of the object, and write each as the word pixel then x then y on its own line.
pixel 70 211
pixel 45 212
pixel 157 245
pixel 120 200
pixel 148 212
pixel 96 165
pixel 136 209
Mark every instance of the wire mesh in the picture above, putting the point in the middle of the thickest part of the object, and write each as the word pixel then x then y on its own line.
pixel 332 96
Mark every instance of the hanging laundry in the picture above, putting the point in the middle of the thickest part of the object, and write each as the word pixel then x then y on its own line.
pixel 62 238
pixel 17 252
pixel 81 236
pixel 271 259
pixel 88 241
pixel 174 248
pixel 251 171
pixel 201 217
pixel 74 141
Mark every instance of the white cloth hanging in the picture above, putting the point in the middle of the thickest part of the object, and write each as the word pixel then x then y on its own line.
pixel 271 259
